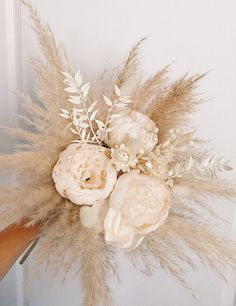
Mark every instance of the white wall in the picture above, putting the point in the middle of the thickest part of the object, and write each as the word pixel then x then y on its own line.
pixel 198 36
pixel 8 74
pixel 11 293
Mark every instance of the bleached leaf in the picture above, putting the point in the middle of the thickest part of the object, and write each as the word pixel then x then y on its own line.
pixel 83 134
pixel 91 107
pixel 227 168
pixel 110 129
pixel 75 101
pixel 117 91
pixel 100 124
pixel 70 83
pixel 74 131
pixel 65 116
pixel 107 100
pixel 70 89
pixel 113 116
pixel 84 125
pixel 64 111
pixel 67 75
pixel 76 98
pixel 120 105
pixel 92 117
pixel 78 78
pixel 77 110
pixel 85 90
pixel 125 100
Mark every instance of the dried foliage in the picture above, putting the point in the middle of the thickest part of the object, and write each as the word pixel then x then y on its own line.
pixel 63 240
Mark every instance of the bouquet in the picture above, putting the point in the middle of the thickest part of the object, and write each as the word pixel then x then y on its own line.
pixel 106 166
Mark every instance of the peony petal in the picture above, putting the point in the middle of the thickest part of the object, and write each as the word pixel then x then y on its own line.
pixel 118 233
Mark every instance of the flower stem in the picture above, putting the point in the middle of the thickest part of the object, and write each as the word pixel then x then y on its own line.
pixel 108 117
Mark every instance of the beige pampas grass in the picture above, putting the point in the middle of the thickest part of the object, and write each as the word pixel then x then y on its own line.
pixel 173 108
pixel 149 90
pixel 64 242
pixel 198 238
pixel 130 64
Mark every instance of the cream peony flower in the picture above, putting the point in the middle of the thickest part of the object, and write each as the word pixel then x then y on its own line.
pixel 93 216
pixel 84 174
pixel 138 205
pixel 133 127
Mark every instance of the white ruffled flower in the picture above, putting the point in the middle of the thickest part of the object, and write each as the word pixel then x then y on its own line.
pixel 133 127
pixel 123 158
pixel 138 205
pixel 92 217
pixel 84 174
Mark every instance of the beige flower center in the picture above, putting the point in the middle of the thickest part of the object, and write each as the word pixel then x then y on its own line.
pixel 92 179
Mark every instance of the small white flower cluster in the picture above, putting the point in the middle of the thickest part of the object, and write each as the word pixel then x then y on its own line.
pixel 123 158
pixel 117 172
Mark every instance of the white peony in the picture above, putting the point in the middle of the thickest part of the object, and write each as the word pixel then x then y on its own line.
pixel 133 127
pixel 138 205
pixel 84 174
pixel 93 216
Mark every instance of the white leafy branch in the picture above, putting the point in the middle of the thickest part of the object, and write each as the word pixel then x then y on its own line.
pixel 165 163
pixel 200 168
pixel 83 118
pixel 165 152
pixel 120 102
pixel 177 141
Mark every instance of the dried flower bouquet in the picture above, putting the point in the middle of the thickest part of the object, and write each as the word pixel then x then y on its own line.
pixel 103 171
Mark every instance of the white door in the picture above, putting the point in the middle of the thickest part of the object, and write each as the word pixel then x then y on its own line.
pixel 198 36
